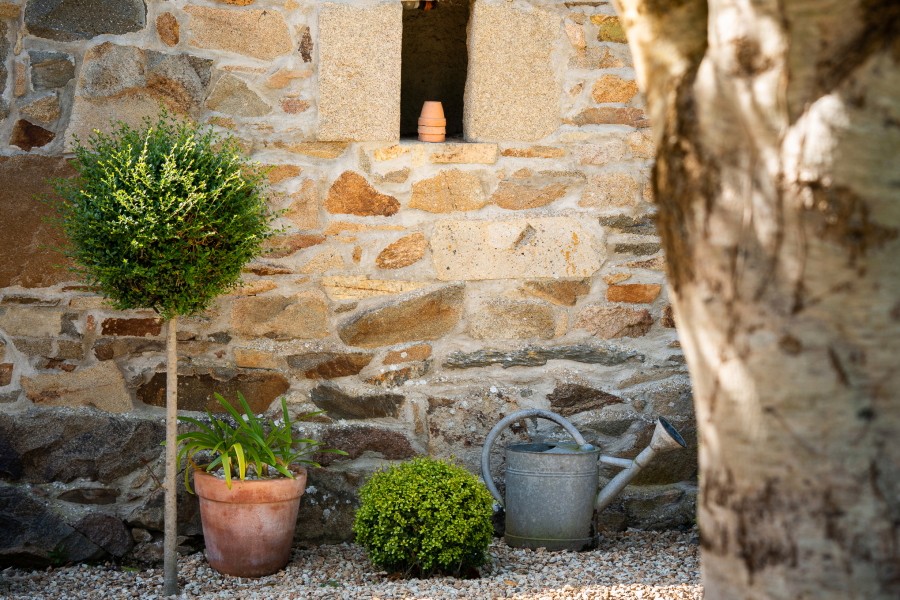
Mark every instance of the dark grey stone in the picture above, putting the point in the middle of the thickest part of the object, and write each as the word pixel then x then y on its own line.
pixel 357 439
pixel 33 536
pixel 107 532
pixel 30 301
pixel 662 508
pixel 329 506
pixel 535 356
pixel 90 495
pixel 637 249
pixel 149 514
pixel 51 70
pixel 112 348
pixel 63 444
pixel 10 462
pixel 570 398
pixel 219 337
pixel 68 20
pixel 4 51
pixel 627 224
pixel 341 405
pixel 34 346
pixel 190 73
pixel 673 397
pixel 196 392
pixel 69 327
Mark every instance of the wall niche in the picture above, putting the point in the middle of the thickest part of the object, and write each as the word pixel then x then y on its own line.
pixel 434 62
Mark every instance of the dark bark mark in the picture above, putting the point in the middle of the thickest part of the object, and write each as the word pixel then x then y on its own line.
pixel 749 58
pixel 866 414
pixel 799 297
pixel 790 345
pixel 843 218
pixel 838 367
pixel 761 535
pixel 881 20
pixel 887 562
pixel 714 395
pixel 681 173
pixel 895 312
pixel 801 442
pixel 682 177
pixel 761 520
pixel 758 539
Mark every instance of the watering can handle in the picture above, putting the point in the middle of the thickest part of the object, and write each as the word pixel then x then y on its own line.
pixel 506 422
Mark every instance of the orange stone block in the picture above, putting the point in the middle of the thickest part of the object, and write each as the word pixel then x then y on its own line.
pixel 636 293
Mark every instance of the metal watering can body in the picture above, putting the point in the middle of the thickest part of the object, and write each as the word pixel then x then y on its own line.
pixel 552 489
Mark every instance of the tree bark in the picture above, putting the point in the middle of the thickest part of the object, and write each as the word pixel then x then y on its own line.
pixel 170 535
pixel 778 184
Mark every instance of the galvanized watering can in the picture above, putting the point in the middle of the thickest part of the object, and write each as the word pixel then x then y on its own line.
pixel 552 488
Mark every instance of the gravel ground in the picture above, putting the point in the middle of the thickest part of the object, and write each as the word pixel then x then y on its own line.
pixel 631 565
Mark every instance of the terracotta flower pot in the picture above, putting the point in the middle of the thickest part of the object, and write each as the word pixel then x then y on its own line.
pixel 248 529
pixel 432 110
pixel 432 130
pixel 432 122
pixel 431 137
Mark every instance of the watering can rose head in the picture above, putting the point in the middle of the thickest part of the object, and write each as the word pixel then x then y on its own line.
pixel 249 447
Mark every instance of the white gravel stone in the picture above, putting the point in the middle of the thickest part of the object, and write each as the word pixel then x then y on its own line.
pixel 632 565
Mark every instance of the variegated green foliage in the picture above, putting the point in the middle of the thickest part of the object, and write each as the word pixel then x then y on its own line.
pixel 269 447
pixel 425 517
pixel 163 216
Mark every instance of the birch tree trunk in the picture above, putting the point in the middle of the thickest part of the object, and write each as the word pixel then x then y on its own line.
pixel 778 183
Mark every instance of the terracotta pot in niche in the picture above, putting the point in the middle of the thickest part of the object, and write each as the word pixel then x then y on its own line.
pixel 433 122
pixel 432 130
pixel 432 109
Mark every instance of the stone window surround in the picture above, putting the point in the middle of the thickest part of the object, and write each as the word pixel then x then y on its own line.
pixel 512 93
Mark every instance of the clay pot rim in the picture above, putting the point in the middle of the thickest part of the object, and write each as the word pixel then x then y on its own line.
pixel 423 136
pixel 280 488
pixel 433 130
pixel 432 122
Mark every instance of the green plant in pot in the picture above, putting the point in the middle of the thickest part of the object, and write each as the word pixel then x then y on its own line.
pixel 249 475
pixel 163 217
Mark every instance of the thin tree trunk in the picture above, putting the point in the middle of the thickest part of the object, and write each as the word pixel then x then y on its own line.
pixel 778 183
pixel 170 555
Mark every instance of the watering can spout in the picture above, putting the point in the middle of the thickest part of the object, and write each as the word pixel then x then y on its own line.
pixel 665 438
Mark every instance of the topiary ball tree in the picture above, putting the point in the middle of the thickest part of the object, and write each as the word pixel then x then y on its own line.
pixel 163 217
pixel 425 517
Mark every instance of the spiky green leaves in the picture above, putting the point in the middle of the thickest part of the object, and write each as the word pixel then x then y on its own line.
pixel 163 217
pixel 270 447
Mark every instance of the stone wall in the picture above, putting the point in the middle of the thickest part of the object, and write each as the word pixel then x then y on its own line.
pixel 418 292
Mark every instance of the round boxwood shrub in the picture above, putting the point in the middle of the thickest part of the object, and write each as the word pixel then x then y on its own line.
pixel 163 216
pixel 425 517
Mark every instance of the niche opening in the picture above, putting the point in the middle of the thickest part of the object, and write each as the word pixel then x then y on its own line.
pixel 434 62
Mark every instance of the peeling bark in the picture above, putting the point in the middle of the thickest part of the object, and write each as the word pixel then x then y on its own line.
pixel 778 135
